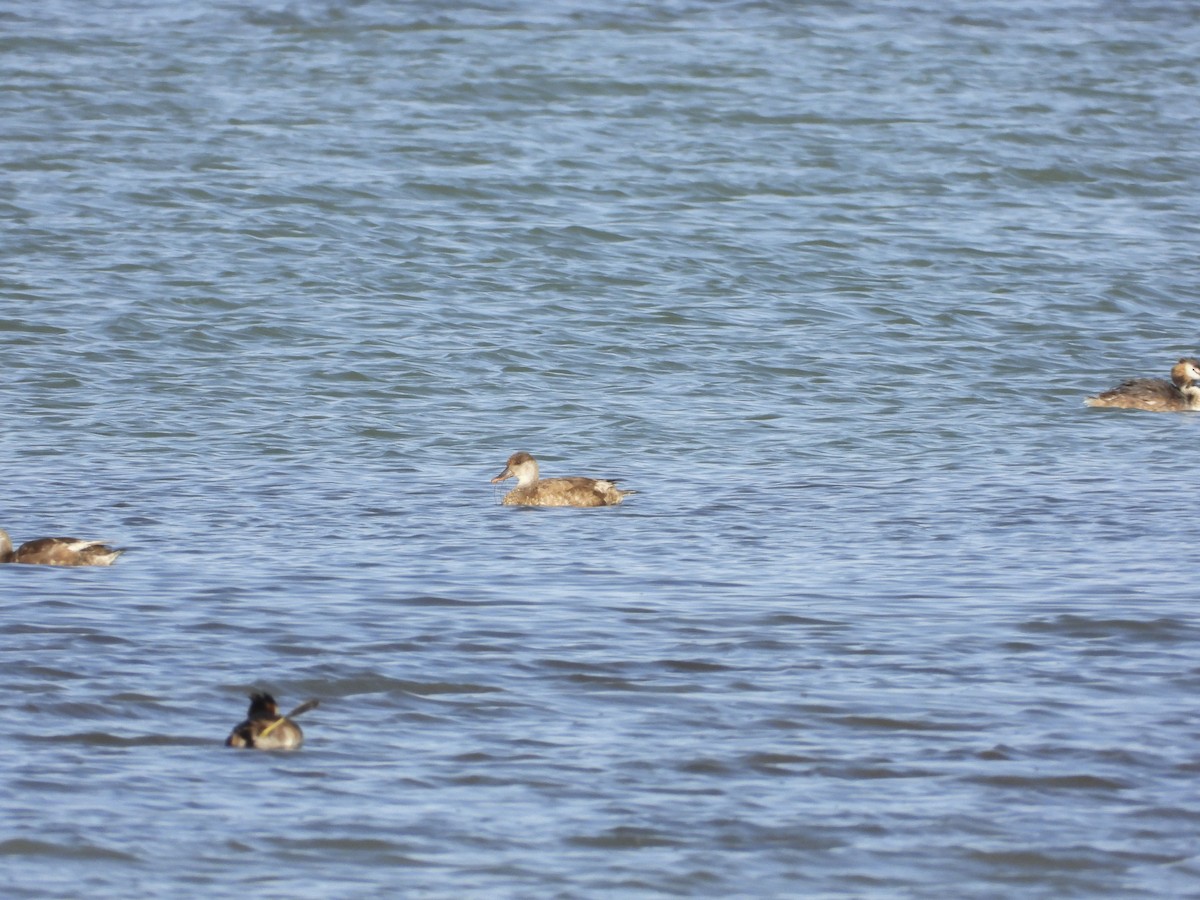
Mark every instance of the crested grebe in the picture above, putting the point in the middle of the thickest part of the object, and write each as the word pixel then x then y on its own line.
pixel 57 552
pixel 1155 394
pixel 265 729
pixel 572 491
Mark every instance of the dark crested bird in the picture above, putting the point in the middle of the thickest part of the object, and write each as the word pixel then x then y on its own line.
pixel 266 729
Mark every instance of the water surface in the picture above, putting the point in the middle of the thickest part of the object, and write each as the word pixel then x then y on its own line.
pixel 892 614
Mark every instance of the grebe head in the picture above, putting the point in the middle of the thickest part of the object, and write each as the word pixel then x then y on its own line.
pixel 524 468
pixel 263 706
pixel 1185 372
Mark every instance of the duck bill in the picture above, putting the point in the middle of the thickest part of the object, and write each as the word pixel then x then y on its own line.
pixel 507 473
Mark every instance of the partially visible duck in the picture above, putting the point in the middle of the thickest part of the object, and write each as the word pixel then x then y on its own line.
pixel 1155 394
pixel 573 491
pixel 57 551
pixel 266 729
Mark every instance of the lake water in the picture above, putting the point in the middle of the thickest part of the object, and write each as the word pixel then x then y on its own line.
pixel 283 284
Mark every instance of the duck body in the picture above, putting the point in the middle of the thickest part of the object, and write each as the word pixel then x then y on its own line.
pixel 57 551
pixel 1156 394
pixel 570 491
pixel 265 728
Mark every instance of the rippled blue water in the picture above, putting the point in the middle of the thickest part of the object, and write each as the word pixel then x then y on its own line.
pixel 283 284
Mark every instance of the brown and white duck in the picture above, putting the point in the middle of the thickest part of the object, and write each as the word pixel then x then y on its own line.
pixel 571 491
pixel 1155 394
pixel 266 729
pixel 57 551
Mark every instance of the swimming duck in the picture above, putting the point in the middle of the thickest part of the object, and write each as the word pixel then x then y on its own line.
pixel 57 552
pixel 1155 394
pixel 574 491
pixel 265 729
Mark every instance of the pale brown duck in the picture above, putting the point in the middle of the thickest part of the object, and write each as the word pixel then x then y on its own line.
pixel 57 551
pixel 266 729
pixel 570 491
pixel 1155 394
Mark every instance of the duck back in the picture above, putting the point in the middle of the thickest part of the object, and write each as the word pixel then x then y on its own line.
pixel 65 552
pixel 570 491
pixel 1152 394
